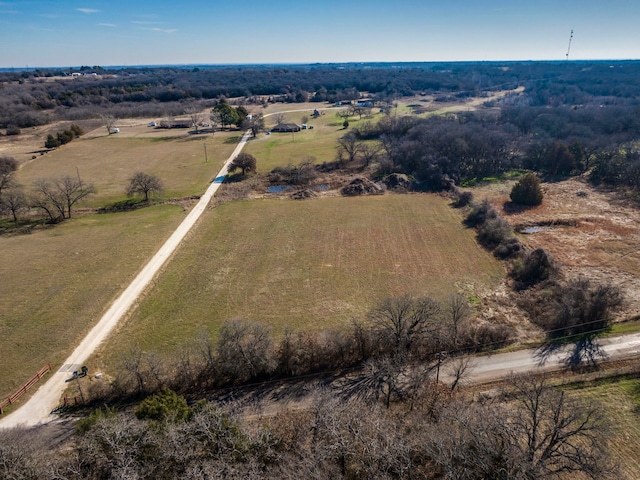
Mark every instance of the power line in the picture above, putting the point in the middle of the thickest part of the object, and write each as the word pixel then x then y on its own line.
pixel 569 48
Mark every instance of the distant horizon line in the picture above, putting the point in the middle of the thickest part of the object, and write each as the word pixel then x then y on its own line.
pixel 27 68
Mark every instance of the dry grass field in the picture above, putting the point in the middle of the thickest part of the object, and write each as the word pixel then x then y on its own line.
pixel 620 399
pixel 314 265
pixel 57 282
pixel 590 232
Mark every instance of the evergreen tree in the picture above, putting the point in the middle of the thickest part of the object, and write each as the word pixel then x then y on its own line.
pixel 527 191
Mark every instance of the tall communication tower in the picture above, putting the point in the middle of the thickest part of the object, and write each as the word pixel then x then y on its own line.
pixel 569 48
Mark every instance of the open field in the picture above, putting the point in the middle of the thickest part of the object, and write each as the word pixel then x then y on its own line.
pixel 305 265
pixel 109 161
pixel 320 142
pixel 57 282
pixel 620 399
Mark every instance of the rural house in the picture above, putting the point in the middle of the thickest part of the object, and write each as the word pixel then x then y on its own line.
pixel 286 127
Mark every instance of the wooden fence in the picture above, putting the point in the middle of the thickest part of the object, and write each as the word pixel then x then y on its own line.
pixel 24 388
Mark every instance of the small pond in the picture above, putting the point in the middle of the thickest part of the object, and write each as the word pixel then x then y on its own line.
pixel 286 188
pixel 532 230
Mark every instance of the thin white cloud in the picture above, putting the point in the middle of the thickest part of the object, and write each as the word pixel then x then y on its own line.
pixel 141 22
pixel 88 10
pixel 112 25
pixel 164 30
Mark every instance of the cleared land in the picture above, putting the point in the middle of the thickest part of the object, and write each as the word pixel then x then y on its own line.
pixel 320 142
pixel 174 156
pixel 58 281
pixel 306 265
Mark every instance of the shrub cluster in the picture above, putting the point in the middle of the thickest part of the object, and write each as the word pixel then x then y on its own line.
pixel 61 138
pixel 493 231
pixel 301 174
pixel 578 307
pixel 534 267
pixel 246 352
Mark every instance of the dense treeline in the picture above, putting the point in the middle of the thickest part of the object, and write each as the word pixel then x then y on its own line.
pixel 28 97
pixel 533 431
pixel 442 151
pixel 404 329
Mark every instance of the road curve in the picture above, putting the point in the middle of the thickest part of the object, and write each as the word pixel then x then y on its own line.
pixel 38 408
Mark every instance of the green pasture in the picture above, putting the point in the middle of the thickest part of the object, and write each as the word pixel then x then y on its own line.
pixel 57 282
pixel 109 161
pixel 310 265
pixel 278 149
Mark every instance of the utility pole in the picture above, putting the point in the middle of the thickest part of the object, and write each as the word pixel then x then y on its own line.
pixel 206 160
pixel 440 355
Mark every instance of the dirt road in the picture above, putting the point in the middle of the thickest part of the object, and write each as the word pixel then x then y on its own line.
pixel 38 408
pixel 486 368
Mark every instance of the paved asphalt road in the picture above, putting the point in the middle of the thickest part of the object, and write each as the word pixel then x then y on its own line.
pixel 494 367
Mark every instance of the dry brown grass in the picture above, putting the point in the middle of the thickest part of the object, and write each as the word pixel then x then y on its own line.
pixel 620 399
pixel 593 233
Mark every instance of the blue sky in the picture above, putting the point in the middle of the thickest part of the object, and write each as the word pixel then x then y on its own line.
pixel 146 32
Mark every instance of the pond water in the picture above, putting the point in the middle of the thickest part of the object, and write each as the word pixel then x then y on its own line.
pixel 284 188
pixel 278 188
pixel 532 230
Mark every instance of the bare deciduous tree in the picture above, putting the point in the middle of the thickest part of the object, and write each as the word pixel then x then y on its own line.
pixel 349 147
pixel 8 168
pixel 369 152
pixel 456 310
pixel 13 201
pixel 60 195
pixel 255 124
pixel 552 434
pixel 244 350
pixel 382 378
pixel 145 184
pixel 405 321
pixel 195 116
pixel 279 118
pixel 108 120
pixel 459 368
